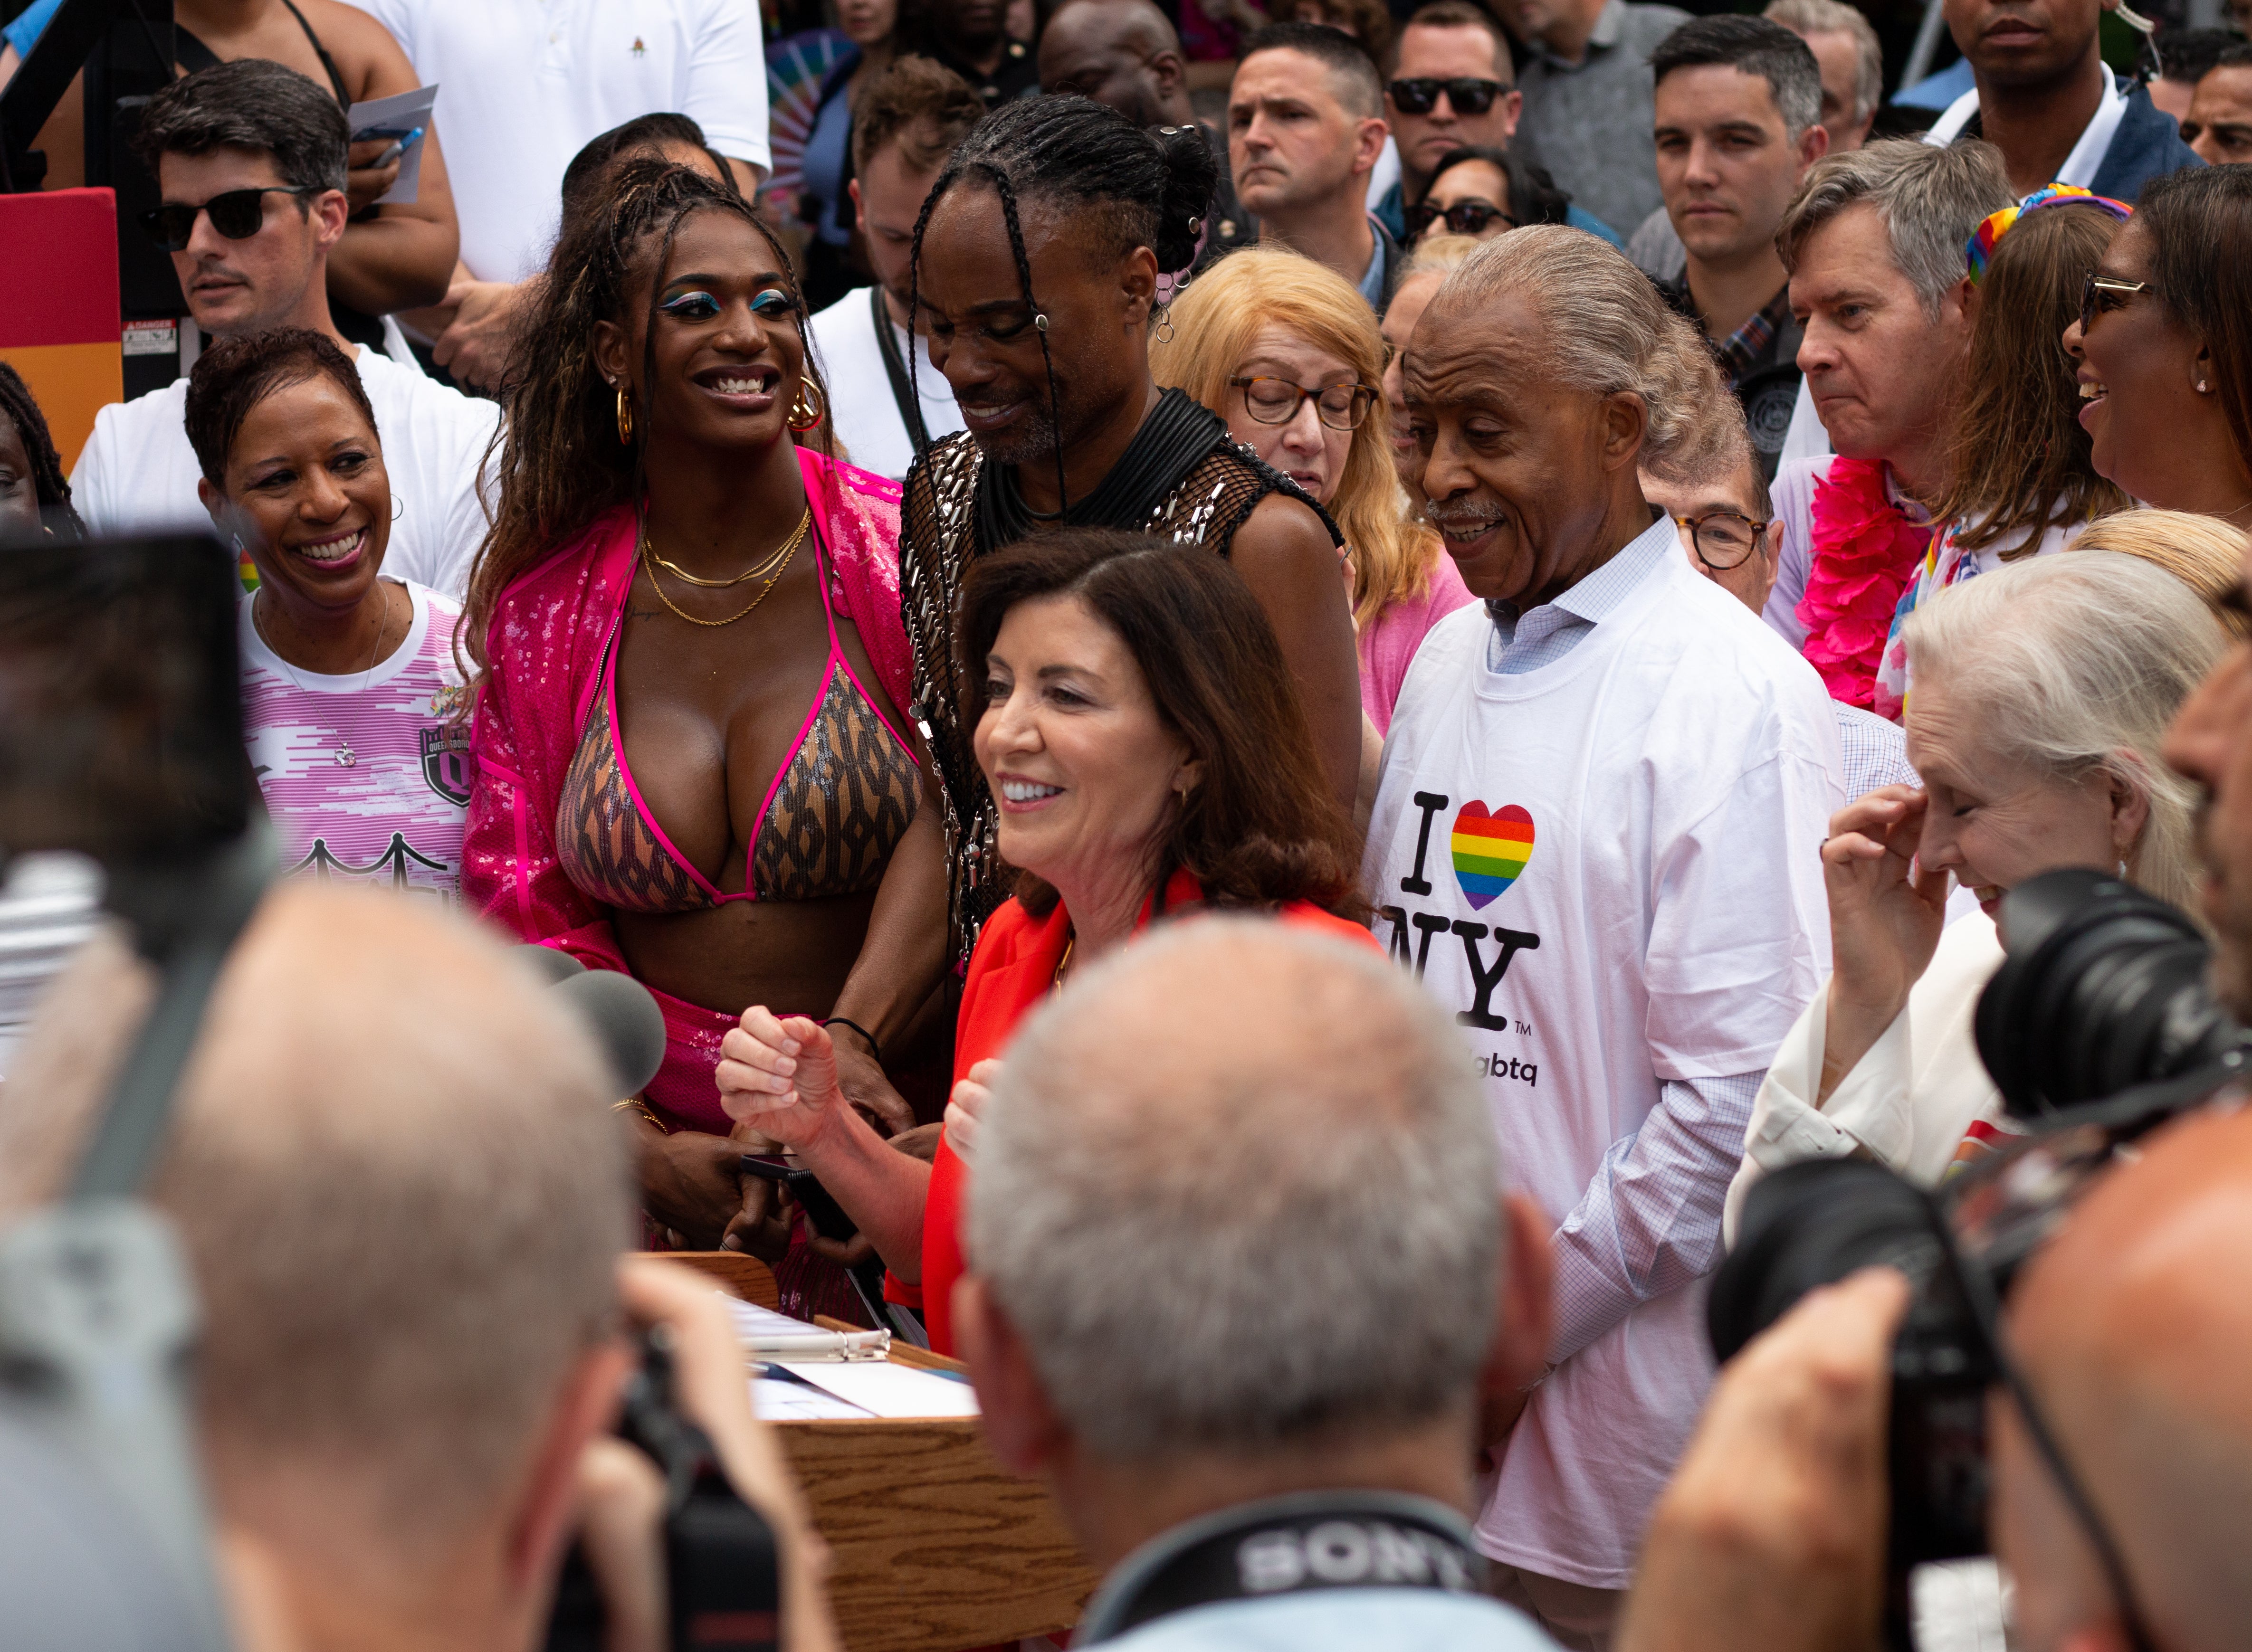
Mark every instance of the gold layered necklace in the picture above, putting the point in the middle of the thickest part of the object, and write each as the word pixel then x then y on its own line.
pixel 770 569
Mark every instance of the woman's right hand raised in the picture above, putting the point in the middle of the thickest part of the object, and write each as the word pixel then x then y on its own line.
pixel 1886 914
pixel 778 1076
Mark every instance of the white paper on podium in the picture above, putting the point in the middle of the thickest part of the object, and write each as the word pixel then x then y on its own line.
pixel 777 1400
pixel 882 1389
pixel 394 117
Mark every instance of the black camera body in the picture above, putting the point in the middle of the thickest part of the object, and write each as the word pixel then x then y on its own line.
pixel 2099 1026
pixel 723 1574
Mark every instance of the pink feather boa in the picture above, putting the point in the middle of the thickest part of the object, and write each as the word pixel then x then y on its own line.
pixel 1865 552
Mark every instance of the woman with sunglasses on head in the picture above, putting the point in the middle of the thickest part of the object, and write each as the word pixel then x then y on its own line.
pixel 2164 344
pixel 1289 354
pixel 1482 193
pixel 2022 482
pixel 693 761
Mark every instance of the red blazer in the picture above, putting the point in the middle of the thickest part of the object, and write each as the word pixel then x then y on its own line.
pixel 1011 971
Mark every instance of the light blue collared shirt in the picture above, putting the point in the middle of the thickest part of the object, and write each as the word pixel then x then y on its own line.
pixel 1528 641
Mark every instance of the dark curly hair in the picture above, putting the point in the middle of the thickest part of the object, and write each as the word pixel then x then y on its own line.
pixel 1129 186
pixel 559 462
pixel 1262 827
pixel 49 485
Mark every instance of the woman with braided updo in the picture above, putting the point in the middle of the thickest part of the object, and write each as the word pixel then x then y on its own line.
pixel 1037 259
pixel 692 760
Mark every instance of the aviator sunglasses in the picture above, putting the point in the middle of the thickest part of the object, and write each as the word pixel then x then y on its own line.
pixel 237 215
pixel 1420 95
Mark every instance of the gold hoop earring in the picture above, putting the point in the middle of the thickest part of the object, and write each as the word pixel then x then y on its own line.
pixel 804 414
pixel 625 419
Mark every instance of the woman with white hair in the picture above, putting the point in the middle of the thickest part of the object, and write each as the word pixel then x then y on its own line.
pixel 2042 691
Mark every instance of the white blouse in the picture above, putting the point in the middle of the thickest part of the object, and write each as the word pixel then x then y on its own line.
pixel 1906 1103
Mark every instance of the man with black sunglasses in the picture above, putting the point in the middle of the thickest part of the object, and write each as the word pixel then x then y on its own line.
pixel 249 159
pixel 1452 86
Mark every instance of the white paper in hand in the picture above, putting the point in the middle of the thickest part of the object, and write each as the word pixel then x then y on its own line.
pixel 391 119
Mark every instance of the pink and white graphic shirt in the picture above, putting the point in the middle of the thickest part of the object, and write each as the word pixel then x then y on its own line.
pixel 366 776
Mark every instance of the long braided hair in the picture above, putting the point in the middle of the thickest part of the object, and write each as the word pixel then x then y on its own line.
pixel 1137 187
pixel 557 455
pixel 49 484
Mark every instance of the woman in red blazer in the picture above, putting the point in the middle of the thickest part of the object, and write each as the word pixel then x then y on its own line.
pixel 1145 746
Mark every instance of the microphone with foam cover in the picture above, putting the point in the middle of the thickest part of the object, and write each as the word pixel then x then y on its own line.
pixel 625 1020
pixel 550 964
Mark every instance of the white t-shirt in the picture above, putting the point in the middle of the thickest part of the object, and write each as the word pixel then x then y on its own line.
pixel 138 475
pixel 1607 867
pixel 867 415
pixel 392 816
pixel 524 85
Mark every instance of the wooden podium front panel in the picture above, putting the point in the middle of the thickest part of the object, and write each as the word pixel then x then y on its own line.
pixel 937 1547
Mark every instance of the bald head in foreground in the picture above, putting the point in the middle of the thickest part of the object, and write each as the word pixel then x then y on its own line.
pixel 402 1194
pixel 2134 1330
pixel 1242 1271
pixel 1123 54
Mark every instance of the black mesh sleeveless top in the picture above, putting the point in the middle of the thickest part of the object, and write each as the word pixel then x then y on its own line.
pixel 1183 478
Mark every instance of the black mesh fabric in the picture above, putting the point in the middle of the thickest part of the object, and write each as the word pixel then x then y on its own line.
pixel 939 534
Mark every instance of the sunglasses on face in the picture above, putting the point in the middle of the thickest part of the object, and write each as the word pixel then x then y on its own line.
pixel 239 214
pixel 1723 539
pixel 1420 95
pixel 2100 296
pixel 1464 218
pixel 1276 401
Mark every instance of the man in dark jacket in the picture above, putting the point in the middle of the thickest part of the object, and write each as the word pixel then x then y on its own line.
pixel 2045 99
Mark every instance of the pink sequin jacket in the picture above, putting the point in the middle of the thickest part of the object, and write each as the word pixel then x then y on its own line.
pixel 545 645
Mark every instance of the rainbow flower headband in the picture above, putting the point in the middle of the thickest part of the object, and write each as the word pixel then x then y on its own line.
pixel 1980 248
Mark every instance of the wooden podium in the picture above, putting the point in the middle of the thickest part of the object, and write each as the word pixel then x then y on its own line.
pixel 937 1547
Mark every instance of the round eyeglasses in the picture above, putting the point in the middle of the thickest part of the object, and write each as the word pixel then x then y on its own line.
pixel 1276 401
pixel 1722 539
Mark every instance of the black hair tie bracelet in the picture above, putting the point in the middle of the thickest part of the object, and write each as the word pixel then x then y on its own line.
pixel 874 1048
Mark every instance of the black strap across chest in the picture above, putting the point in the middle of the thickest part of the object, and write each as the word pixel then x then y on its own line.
pixel 895 369
pixel 1297 1545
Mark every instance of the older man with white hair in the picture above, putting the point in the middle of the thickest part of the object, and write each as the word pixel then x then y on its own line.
pixel 1595 837
pixel 1235 1293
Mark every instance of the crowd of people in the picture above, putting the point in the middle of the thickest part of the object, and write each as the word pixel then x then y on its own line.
pixel 1526 585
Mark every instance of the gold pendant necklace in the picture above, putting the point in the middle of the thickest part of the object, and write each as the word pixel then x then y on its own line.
pixel 649 560
pixel 771 566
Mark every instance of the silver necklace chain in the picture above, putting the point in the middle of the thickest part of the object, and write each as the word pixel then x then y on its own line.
pixel 345 755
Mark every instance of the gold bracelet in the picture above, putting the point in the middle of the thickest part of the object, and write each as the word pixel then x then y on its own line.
pixel 633 1104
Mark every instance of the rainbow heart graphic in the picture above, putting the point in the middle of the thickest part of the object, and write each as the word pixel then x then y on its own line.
pixel 1489 850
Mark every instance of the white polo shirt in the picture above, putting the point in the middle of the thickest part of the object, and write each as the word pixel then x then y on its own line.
pixel 138 473
pixel 524 84
pixel 867 414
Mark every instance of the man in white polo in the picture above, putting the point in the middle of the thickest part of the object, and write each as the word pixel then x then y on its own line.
pixel 257 129
pixel 522 85
pixel 1594 838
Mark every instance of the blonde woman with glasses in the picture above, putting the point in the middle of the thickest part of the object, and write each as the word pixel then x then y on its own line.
pixel 1288 352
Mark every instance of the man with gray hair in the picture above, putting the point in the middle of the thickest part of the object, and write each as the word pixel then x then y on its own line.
pixel 1594 838
pixel 1235 1293
pixel 1737 109
pixel 1873 243
pixel 402 1194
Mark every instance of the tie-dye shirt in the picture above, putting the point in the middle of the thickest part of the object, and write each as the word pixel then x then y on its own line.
pixel 393 816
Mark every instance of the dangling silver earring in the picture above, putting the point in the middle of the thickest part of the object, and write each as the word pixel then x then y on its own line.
pixel 1166 324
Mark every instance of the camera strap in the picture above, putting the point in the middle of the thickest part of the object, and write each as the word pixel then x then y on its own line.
pixel 1293 1544
pixel 895 369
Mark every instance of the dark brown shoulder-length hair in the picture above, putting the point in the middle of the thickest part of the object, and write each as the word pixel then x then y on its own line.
pixel 2018 460
pixel 1262 828
pixel 2200 220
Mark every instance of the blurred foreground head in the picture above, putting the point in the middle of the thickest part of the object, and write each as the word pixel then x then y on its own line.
pixel 395 1174
pixel 2135 1329
pixel 1236 1231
